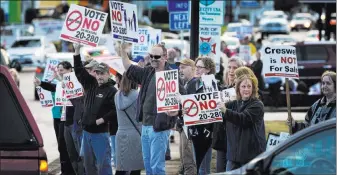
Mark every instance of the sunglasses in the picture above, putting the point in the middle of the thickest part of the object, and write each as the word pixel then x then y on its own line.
pixel 155 56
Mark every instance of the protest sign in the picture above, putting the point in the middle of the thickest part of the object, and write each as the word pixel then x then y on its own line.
pixel 83 25
pixel 211 12
pixel 124 21
pixel 201 108
pixel 228 95
pixel 141 48
pixel 155 38
pixel 209 83
pixel 274 139
pixel 73 87
pixel 50 69
pixel 279 61
pixel 60 96
pixel 209 43
pixel 167 88
pixel 46 99
pixel 244 53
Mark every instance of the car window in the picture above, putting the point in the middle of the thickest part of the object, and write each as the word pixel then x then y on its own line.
pixel 14 127
pixel 316 154
pixel 27 43
pixel 316 52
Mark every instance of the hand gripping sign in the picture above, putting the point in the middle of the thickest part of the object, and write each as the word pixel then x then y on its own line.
pixel 73 87
pixel 209 43
pixel 60 96
pixel 83 25
pixel 201 108
pixel 279 61
pixel 46 99
pixel 124 21
pixel 167 88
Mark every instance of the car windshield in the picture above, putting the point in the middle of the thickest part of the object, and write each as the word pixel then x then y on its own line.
pixel 27 43
pixel 301 18
pixel 14 127
pixel 274 16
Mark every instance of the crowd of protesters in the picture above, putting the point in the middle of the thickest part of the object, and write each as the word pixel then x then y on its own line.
pixel 116 124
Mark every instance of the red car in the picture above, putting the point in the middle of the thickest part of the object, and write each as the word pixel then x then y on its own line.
pixel 21 143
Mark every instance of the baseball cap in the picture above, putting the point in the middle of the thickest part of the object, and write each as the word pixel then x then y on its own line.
pixel 188 62
pixel 102 67
pixel 92 64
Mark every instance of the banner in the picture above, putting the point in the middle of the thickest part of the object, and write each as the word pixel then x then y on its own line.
pixel 279 61
pixel 201 108
pixel 124 21
pixel 167 88
pixel 210 43
pixel 60 96
pixel 83 25
pixel 228 95
pixel 46 99
pixel 73 87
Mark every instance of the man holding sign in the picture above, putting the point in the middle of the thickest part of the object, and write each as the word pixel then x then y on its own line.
pixel 156 126
pixel 99 110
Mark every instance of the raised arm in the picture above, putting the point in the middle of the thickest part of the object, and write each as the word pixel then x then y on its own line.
pixel 125 58
pixel 82 75
pixel 45 85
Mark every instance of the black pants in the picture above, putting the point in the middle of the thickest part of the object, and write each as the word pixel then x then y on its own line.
pixel 135 172
pixel 275 93
pixel 66 167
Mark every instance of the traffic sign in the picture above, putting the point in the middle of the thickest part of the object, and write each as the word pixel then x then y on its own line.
pixel 179 21
pixel 177 5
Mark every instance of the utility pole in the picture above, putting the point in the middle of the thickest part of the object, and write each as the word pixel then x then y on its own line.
pixel 194 35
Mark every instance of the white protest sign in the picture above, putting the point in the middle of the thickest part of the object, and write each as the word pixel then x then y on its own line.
pixel 210 12
pixel 141 48
pixel 73 87
pixel 274 139
pixel 167 88
pixel 209 43
pixel 124 21
pixel 201 108
pixel 46 99
pixel 228 95
pixel 60 96
pixel 279 61
pixel 209 83
pixel 155 38
pixel 83 25
pixel 51 67
pixel 245 53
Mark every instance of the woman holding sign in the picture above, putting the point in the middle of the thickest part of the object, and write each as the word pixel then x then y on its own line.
pixel 324 108
pixel 219 142
pixel 245 128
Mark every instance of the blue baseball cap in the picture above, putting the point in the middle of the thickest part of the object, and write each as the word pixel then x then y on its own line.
pixel 138 58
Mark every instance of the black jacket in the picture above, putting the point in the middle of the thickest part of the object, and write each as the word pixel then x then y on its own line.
pixel 98 101
pixel 245 130
pixel 69 109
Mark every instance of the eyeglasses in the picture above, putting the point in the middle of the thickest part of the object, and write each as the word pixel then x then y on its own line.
pixel 155 56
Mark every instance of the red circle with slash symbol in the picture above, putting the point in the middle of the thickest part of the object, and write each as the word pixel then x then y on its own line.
pixel 161 89
pixel 191 104
pixel 74 20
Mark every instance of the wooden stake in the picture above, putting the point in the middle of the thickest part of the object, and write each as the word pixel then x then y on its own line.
pixel 288 106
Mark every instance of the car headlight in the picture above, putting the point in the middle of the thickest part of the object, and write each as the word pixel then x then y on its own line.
pixel 292 24
pixel 307 24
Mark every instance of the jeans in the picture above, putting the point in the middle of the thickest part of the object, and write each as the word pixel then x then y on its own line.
pixel 113 149
pixel 154 145
pixel 74 157
pixel 96 153
pixel 220 161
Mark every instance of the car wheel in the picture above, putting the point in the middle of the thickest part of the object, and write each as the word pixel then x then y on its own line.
pixel 36 96
pixel 16 65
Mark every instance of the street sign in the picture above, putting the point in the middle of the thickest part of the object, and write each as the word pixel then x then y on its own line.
pixel 177 5
pixel 179 21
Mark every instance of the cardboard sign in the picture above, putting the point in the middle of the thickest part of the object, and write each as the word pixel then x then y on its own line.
pixel 49 70
pixel 209 43
pixel 201 108
pixel 46 99
pixel 73 87
pixel 209 83
pixel 124 21
pixel 155 38
pixel 245 53
pixel 83 25
pixel 274 139
pixel 60 96
pixel 141 48
pixel 228 95
pixel 167 88
pixel 279 61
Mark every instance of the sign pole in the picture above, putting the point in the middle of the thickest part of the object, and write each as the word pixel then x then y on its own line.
pixel 194 35
pixel 288 105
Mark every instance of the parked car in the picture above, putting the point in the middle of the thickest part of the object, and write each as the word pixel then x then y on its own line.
pixel 39 71
pixel 274 26
pixel 309 151
pixel 10 33
pixel 21 144
pixel 312 35
pixel 301 21
pixel 29 51
pixel 234 29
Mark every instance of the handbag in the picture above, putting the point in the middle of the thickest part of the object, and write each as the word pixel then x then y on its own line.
pixel 134 125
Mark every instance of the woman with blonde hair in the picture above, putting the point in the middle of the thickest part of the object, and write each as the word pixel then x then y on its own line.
pixel 244 121
pixel 324 108
pixel 229 76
